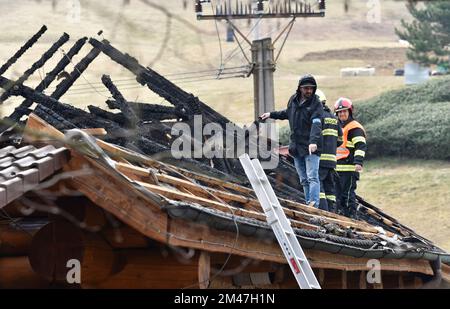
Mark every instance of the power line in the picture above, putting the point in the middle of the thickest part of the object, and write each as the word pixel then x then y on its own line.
pixel 235 51
pixel 242 74
pixel 178 77
pixel 220 43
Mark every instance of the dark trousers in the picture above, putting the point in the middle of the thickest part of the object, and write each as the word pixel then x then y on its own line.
pixel 345 193
pixel 327 189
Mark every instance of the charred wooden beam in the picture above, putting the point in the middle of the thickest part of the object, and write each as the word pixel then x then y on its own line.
pixel 151 108
pixel 72 114
pixel 52 117
pixel 145 76
pixel 142 73
pixel 80 67
pixel 22 50
pixel 146 111
pixel 37 65
pixel 28 93
pixel 22 109
pixel 127 112
pixel 117 118
pixel 160 85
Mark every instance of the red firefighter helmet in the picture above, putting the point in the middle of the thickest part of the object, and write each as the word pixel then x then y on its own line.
pixel 343 104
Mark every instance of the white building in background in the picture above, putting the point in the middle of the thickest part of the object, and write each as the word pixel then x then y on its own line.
pixel 415 73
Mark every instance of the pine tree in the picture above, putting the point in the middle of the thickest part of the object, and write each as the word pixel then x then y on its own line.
pixel 428 34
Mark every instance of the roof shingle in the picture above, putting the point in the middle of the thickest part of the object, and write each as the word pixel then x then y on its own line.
pixel 22 169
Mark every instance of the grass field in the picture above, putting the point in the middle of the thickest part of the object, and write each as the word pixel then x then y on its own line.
pixel 416 192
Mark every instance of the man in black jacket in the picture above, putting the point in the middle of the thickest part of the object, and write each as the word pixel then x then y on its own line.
pixel 304 112
pixel 331 132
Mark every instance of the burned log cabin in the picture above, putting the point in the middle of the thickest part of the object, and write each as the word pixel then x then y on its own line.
pixel 101 189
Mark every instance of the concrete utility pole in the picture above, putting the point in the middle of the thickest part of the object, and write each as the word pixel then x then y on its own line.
pixel 263 83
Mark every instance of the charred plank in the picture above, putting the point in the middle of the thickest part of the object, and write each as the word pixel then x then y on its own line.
pixel 37 65
pixel 128 113
pixel 23 49
pixel 147 111
pixel 49 78
pixel 79 69
pixel 117 118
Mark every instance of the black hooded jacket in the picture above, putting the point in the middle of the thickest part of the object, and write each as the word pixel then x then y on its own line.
pixel 305 120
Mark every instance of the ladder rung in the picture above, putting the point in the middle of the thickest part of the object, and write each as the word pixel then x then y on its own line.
pixel 272 221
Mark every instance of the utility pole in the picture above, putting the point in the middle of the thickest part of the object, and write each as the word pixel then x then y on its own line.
pixel 263 60
pixel 263 84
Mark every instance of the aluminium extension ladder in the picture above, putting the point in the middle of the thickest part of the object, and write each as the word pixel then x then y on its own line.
pixel 279 223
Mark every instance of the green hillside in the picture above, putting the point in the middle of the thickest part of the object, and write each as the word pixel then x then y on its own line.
pixel 413 122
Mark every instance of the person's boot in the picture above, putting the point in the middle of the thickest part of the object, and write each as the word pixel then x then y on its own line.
pixel 332 207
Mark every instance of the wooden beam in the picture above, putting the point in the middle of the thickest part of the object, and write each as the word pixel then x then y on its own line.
pixel 153 269
pixel 37 129
pixel 418 283
pixel 125 237
pixel 204 269
pixel 445 271
pixel 321 276
pixel 363 280
pixel 95 131
pixel 16 273
pixel 251 203
pixel 322 259
pixel 14 241
pixel 119 152
pixel 181 196
pixel 344 279
pixel 131 170
pixel 200 236
pixel 401 282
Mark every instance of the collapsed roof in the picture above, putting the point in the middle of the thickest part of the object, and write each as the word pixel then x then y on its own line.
pixel 199 203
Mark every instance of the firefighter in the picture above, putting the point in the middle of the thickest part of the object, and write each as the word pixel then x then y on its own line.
pixel 305 113
pixel 350 157
pixel 331 132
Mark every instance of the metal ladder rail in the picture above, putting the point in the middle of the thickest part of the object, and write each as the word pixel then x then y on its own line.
pixel 279 223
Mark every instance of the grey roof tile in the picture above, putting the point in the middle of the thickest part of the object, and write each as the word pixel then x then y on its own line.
pixel 22 169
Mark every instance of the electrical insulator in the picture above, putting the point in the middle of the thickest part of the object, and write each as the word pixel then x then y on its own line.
pixel 260 6
pixel 322 5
